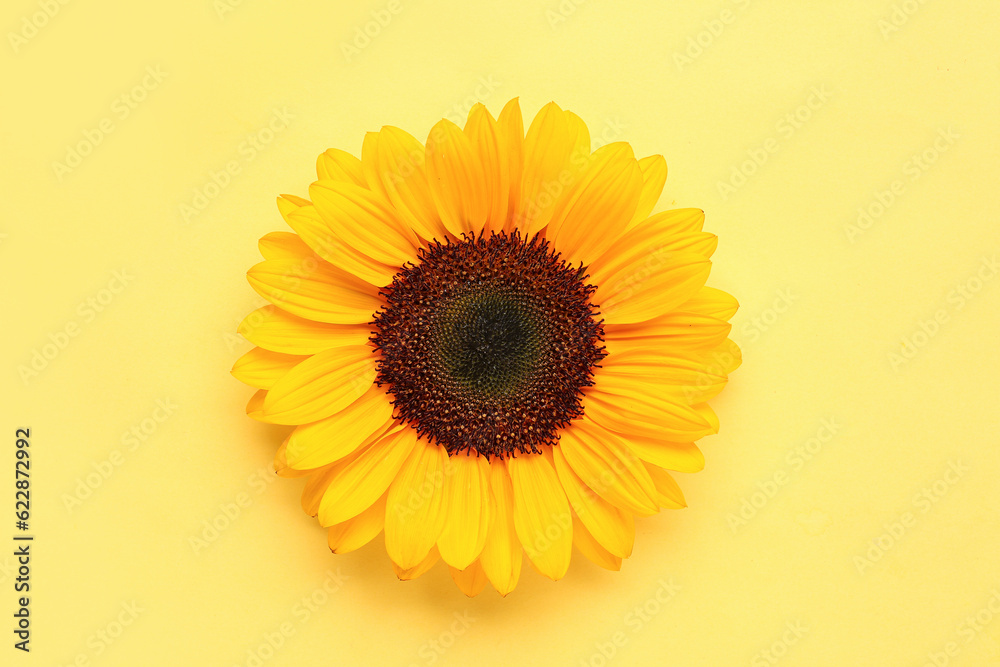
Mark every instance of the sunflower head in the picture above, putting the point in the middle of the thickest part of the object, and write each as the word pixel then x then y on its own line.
pixel 488 346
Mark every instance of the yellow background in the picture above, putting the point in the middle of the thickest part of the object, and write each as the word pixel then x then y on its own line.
pixel 824 305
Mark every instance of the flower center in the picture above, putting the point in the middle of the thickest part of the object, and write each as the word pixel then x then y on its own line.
pixel 485 344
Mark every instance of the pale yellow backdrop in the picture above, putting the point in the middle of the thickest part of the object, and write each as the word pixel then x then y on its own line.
pixel 846 153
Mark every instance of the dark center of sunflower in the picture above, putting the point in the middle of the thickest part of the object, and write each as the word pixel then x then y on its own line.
pixel 487 343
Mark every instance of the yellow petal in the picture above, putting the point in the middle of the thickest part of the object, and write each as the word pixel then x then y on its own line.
pixel 366 477
pixel 484 135
pixel 457 180
pixel 316 239
pixel 712 303
pixel 654 175
pixel 644 413
pixel 556 149
pixel 415 511
pixel 255 405
pixel 634 371
pixel 605 464
pixel 612 527
pixel 680 220
pixel 274 329
pixel 321 385
pixel 359 531
pixel 287 204
pixel 395 165
pixel 316 485
pixel 724 359
pixel 706 412
pixel 262 368
pixel 331 439
pixel 501 556
pixel 467 503
pixel 316 291
pixel 510 134
pixel 414 572
pixel 329 242
pixel 679 456
pixel 670 495
pixel 280 464
pixel 673 331
pixel 649 283
pixel 364 221
pixel 592 549
pixel 652 241
pixel 579 156
pixel 338 165
pixel 643 250
pixel 471 580
pixel 542 516
pixel 283 245
pixel 593 212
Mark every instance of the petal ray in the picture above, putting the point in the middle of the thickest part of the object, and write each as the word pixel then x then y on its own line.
pixel 262 368
pixel 274 329
pixel 321 385
pixel 415 511
pixel 364 479
pixel 542 516
pixel 315 291
pixel 332 438
pixel 501 555
pixel 467 492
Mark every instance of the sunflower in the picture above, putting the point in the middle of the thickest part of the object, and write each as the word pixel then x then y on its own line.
pixel 488 346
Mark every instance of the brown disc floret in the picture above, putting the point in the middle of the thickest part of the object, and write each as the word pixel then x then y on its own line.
pixel 486 343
